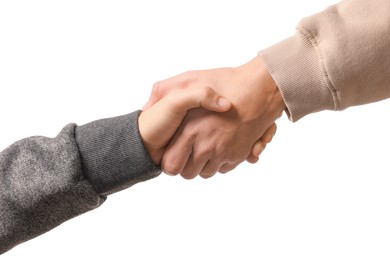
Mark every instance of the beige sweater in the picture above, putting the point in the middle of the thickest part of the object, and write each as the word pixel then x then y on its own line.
pixel 338 58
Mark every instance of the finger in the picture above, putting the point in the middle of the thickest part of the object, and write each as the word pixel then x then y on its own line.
pixel 193 168
pixel 252 159
pixel 269 133
pixel 210 169
pixel 176 154
pixel 258 148
pixel 227 167
pixel 174 165
pixel 183 100
pixel 212 101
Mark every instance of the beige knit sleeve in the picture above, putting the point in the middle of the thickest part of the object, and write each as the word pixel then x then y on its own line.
pixel 338 58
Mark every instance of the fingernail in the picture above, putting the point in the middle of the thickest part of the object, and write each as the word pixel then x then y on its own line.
pixel 223 102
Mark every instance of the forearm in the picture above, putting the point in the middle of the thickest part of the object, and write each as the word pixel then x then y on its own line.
pixel 46 181
pixel 337 59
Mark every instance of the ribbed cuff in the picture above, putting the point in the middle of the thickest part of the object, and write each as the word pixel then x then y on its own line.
pixel 296 66
pixel 112 154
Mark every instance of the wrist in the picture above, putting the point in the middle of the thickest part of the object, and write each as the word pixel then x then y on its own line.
pixel 260 96
pixel 295 66
pixel 278 105
pixel 145 130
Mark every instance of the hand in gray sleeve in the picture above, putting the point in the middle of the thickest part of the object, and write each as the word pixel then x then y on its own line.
pixel 46 181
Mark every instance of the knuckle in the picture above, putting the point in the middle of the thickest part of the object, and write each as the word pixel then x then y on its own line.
pixel 189 137
pixel 227 168
pixel 156 87
pixel 188 176
pixel 207 175
pixel 186 79
pixel 223 171
pixel 235 158
pixel 253 159
pixel 171 167
pixel 207 150
pixel 206 92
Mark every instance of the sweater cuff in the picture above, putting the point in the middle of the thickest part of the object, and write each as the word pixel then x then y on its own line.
pixel 296 66
pixel 112 154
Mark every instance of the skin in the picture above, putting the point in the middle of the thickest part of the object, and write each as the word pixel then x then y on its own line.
pixel 208 142
pixel 159 123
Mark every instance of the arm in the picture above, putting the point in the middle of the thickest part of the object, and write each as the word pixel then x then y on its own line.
pixel 338 58
pixel 46 181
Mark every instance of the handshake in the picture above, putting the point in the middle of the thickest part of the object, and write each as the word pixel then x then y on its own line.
pixel 203 122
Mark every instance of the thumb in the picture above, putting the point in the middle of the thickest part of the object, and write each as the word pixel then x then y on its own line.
pixel 211 100
pixel 204 97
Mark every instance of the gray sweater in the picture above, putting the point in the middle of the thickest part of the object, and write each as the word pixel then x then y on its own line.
pixel 46 181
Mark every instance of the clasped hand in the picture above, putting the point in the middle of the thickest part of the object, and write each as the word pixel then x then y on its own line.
pixel 203 122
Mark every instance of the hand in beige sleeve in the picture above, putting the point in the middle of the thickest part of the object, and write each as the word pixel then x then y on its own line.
pixel 208 142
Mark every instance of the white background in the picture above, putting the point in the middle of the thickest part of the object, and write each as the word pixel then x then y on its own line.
pixel 320 191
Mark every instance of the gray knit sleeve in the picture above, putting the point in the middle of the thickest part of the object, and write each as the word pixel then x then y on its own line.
pixel 46 181
pixel 113 155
